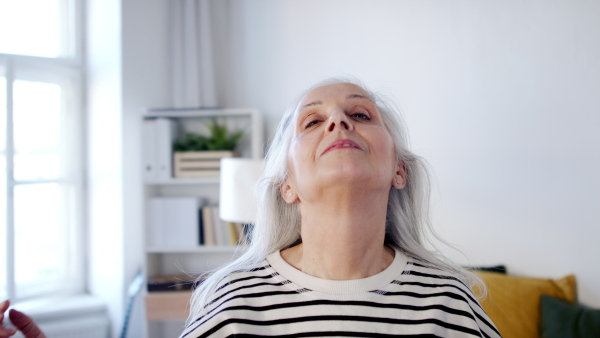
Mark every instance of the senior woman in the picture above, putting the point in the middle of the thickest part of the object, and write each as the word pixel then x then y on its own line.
pixel 337 247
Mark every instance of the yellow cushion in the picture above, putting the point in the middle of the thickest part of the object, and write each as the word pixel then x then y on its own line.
pixel 513 303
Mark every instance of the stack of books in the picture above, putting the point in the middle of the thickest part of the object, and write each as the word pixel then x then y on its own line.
pixel 187 222
pixel 218 232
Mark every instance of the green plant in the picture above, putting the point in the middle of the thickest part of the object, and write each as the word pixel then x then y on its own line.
pixel 220 139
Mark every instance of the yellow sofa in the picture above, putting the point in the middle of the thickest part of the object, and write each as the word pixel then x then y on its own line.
pixel 513 303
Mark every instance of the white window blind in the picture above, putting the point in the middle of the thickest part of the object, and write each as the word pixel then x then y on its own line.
pixel 41 171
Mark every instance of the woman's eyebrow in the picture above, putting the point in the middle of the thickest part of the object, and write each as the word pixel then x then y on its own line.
pixel 359 96
pixel 314 103
pixel 351 96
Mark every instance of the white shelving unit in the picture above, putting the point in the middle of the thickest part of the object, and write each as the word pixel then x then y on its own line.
pixel 165 308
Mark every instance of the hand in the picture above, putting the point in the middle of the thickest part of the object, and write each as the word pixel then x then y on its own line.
pixel 4 331
pixel 21 321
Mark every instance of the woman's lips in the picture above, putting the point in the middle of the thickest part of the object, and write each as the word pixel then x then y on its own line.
pixel 342 144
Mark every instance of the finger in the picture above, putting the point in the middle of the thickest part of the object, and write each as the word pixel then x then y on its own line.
pixel 6 332
pixel 3 307
pixel 25 324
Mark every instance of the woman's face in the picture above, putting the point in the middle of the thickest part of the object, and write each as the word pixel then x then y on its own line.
pixel 339 141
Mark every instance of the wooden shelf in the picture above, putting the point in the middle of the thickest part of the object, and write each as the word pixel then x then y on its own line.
pixel 186 181
pixel 171 305
pixel 197 249
pixel 198 112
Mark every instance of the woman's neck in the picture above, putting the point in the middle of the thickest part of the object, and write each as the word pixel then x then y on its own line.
pixel 342 238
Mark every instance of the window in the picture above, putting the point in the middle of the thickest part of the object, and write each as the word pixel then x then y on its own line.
pixel 35 27
pixel 41 171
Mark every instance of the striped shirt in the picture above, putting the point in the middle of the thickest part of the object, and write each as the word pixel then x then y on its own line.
pixel 406 299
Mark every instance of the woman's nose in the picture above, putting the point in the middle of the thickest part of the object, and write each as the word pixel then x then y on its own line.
pixel 339 119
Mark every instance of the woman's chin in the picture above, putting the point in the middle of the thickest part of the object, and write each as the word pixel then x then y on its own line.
pixel 349 176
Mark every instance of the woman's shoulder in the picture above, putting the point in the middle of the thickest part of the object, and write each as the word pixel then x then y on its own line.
pixel 443 284
pixel 431 278
pixel 242 279
pixel 229 292
pixel 449 289
pixel 420 268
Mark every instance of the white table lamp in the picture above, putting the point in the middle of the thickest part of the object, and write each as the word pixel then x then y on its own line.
pixel 237 202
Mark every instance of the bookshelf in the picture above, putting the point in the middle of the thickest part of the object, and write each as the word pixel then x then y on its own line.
pixel 163 308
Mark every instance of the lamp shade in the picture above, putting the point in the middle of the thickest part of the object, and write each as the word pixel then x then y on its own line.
pixel 237 202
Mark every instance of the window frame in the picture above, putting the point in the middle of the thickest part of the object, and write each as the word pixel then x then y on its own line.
pixel 68 71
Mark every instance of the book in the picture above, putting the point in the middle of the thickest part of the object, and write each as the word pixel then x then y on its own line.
pixel 241 236
pixel 218 226
pixel 171 283
pixel 200 228
pixel 207 225
pixel 224 230
pixel 233 235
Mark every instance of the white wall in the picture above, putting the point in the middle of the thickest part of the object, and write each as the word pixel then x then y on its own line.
pixel 104 144
pixel 501 97
pixel 127 48
pixel 145 78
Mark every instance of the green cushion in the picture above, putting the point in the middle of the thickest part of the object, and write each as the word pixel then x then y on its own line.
pixel 564 320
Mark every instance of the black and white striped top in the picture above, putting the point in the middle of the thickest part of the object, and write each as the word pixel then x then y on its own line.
pixel 406 299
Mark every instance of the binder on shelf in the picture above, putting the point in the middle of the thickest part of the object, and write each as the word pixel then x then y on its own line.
pixel 149 156
pixel 182 222
pixel 166 134
pixel 155 223
pixel 173 222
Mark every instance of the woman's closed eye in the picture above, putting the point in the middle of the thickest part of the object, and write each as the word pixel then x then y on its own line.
pixel 361 116
pixel 311 123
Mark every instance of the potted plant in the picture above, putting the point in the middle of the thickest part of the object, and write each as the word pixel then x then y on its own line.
pixel 199 156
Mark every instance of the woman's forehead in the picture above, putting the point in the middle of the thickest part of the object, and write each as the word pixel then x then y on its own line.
pixel 335 90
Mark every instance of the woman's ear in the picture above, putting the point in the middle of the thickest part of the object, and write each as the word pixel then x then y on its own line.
pixel 287 193
pixel 400 176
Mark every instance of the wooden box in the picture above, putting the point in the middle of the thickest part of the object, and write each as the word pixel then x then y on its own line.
pixel 170 305
pixel 198 163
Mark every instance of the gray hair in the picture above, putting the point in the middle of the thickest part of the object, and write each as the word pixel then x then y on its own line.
pixel 277 226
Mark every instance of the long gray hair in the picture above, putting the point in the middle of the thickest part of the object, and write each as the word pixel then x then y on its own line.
pixel 277 225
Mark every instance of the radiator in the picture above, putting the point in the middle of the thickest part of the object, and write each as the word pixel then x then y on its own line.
pixel 90 326
pixel 79 316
